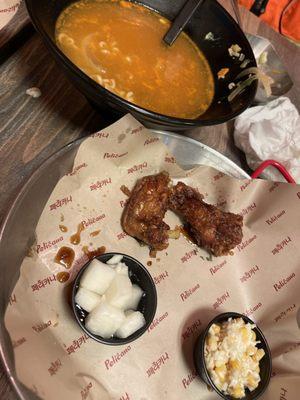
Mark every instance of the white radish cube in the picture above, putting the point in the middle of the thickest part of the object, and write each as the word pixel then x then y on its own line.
pixel 97 277
pixel 104 320
pixel 122 269
pixel 137 294
pixel 86 299
pixel 120 291
pixel 115 259
pixel 133 322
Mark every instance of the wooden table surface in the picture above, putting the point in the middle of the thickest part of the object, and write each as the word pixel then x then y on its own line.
pixel 33 129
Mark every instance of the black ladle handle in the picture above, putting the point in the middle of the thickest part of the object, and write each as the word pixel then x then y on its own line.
pixel 181 20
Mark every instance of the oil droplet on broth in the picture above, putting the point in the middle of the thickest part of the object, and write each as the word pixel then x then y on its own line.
pixel 62 276
pixel 75 239
pixel 65 257
pixel 63 228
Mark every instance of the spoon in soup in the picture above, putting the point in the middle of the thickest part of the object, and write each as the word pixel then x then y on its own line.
pixel 181 20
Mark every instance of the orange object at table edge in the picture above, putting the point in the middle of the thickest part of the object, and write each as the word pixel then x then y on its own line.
pixel 282 15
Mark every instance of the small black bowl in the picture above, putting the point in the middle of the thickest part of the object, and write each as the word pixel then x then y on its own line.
pixel 265 363
pixel 138 275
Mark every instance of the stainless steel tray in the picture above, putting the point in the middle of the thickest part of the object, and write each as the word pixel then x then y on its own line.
pixel 188 153
pixel 18 228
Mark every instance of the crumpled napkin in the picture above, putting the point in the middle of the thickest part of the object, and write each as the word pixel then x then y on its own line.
pixel 271 131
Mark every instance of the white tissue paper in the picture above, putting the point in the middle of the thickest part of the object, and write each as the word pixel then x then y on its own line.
pixel 272 132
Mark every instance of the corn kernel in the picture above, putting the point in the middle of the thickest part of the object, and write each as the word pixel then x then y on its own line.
pixel 252 350
pixel 238 392
pixel 245 334
pixel 244 358
pixel 251 382
pixel 234 365
pixel 258 355
pixel 211 342
pixel 221 371
pixel 257 369
pixel 215 328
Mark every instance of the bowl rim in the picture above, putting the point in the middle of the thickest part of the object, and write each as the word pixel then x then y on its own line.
pixel 131 107
pixel 134 336
pixel 265 345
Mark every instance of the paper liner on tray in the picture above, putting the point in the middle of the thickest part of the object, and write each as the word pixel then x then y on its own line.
pixel 57 360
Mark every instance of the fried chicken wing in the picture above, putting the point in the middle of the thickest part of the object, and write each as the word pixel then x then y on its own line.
pixel 217 231
pixel 144 212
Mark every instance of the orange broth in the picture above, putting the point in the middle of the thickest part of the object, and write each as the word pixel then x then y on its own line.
pixel 119 45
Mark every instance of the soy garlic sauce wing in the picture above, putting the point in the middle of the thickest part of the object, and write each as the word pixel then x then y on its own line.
pixel 144 212
pixel 215 230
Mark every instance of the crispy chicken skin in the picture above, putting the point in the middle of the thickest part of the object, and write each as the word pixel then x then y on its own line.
pixel 144 212
pixel 215 230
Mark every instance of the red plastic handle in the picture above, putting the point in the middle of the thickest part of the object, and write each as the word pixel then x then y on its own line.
pixel 275 164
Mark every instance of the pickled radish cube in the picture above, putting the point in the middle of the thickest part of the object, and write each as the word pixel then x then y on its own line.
pixel 137 294
pixel 97 277
pixel 120 291
pixel 104 320
pixel 122 269
pixel 132 323
pixel 115 259
pixel 87 299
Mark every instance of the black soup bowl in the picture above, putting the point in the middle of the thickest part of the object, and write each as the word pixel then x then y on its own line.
pixel 210 17
pixel 265 363
pixel 138 275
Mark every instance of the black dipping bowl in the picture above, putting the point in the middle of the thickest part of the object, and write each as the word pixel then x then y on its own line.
pixel 210 17
pixel 265 363
pixel 138 275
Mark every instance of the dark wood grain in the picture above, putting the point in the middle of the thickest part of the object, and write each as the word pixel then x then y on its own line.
pixel 33 129
pixel 15 33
